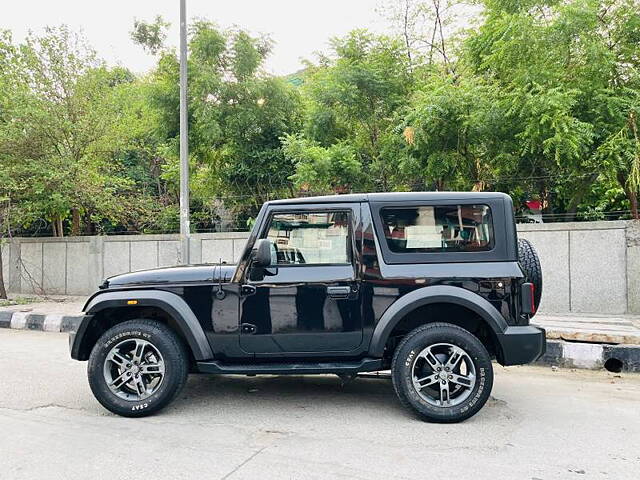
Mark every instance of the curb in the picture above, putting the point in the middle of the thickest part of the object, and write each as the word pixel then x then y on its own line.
pixel 39 322
pixel 594 356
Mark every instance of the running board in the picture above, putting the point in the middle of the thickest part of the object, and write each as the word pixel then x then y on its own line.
pixel 364 365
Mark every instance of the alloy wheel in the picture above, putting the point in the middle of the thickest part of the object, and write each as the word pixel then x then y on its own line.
pixel 443 375
pixel 134 369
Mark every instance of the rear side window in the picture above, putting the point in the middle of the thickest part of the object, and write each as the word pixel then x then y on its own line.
pixel 446 228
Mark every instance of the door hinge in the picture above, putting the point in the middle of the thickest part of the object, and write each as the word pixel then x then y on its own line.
pixel 248 328
pixel 247 290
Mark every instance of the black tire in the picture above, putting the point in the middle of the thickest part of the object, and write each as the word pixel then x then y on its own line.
pixel 530 263
pixel 406 358
pixel 173 355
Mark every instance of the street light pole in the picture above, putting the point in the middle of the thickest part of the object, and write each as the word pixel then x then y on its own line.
pixel 185 232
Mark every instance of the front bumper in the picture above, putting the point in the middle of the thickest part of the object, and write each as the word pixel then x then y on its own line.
pixel 522 345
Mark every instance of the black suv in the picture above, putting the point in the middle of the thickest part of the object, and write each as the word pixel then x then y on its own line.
pixel 430 285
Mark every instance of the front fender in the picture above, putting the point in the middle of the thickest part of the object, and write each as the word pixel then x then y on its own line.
pixel 425 296
pixel 169 302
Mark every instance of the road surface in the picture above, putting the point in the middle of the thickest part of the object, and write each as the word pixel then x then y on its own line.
pixel 538 424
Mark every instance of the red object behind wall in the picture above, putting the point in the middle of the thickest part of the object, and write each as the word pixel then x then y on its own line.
pixel 534 204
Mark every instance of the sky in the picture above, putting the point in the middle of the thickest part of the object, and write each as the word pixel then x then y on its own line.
pixel 299 28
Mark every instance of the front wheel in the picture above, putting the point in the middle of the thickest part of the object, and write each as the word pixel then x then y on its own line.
pixel 137 367
pixel 442 372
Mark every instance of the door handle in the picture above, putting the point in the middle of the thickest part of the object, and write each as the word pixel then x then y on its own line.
pixel 339 292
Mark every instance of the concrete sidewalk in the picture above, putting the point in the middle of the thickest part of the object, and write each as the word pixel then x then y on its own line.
pixel 51 304
pixel 591 341
pixel 55 313
pixel 573 341
pixel 613 329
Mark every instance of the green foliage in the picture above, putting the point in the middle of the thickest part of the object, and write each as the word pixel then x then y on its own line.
pixel 352 98
pixel 570 72
pixel 62 124
pixel 19 301
pixel 540 100
pixel 323 169
pixel 455 134
pixel 150 36
pixel 237 116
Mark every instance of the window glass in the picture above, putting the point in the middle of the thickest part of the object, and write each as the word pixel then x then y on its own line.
pixel 309 238
pixel 447 228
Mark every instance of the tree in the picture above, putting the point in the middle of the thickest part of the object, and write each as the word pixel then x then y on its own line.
pixel 151 36
pixel 455 135
pixel 237 115
pixel 428 28
pixel 570 73
pixel 323 169
pixel 61 128
pixel 352 98
pixel 540 100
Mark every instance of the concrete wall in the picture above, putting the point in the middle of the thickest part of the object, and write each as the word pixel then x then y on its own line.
pixel 77 265
pixel 588 267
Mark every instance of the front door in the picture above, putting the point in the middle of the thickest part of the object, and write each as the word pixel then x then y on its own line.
pixel 310 301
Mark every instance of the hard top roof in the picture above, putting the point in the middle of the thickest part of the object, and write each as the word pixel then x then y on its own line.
pixel 391 197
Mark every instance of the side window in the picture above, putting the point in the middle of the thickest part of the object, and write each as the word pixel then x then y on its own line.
pixel 446 228
pixel 318 238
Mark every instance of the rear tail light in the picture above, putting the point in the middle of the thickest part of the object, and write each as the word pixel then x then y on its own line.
pixel 528 298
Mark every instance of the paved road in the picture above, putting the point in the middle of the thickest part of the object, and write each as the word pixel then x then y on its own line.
pixel 539 424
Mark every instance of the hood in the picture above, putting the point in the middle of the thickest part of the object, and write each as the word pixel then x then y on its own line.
pixel 168 275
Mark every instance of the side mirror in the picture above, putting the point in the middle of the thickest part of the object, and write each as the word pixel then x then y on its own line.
pixel 261 253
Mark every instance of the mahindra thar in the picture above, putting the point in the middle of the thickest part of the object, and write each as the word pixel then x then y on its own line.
pixel 432 286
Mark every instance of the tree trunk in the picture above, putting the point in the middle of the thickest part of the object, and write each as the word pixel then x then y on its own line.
pixel 633 200
pixel 3 290
pixel 75 222
pixel 479 185
pixel 89 227
pixel 631 195
pixel 59 229
pixel 407 41
pixel 545 199
pixel 571 214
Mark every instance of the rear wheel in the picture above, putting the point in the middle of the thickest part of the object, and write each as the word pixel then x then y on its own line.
pixel 137 368
pixel 442 372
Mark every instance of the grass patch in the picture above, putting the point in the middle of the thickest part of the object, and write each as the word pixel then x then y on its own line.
pixel 17 301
